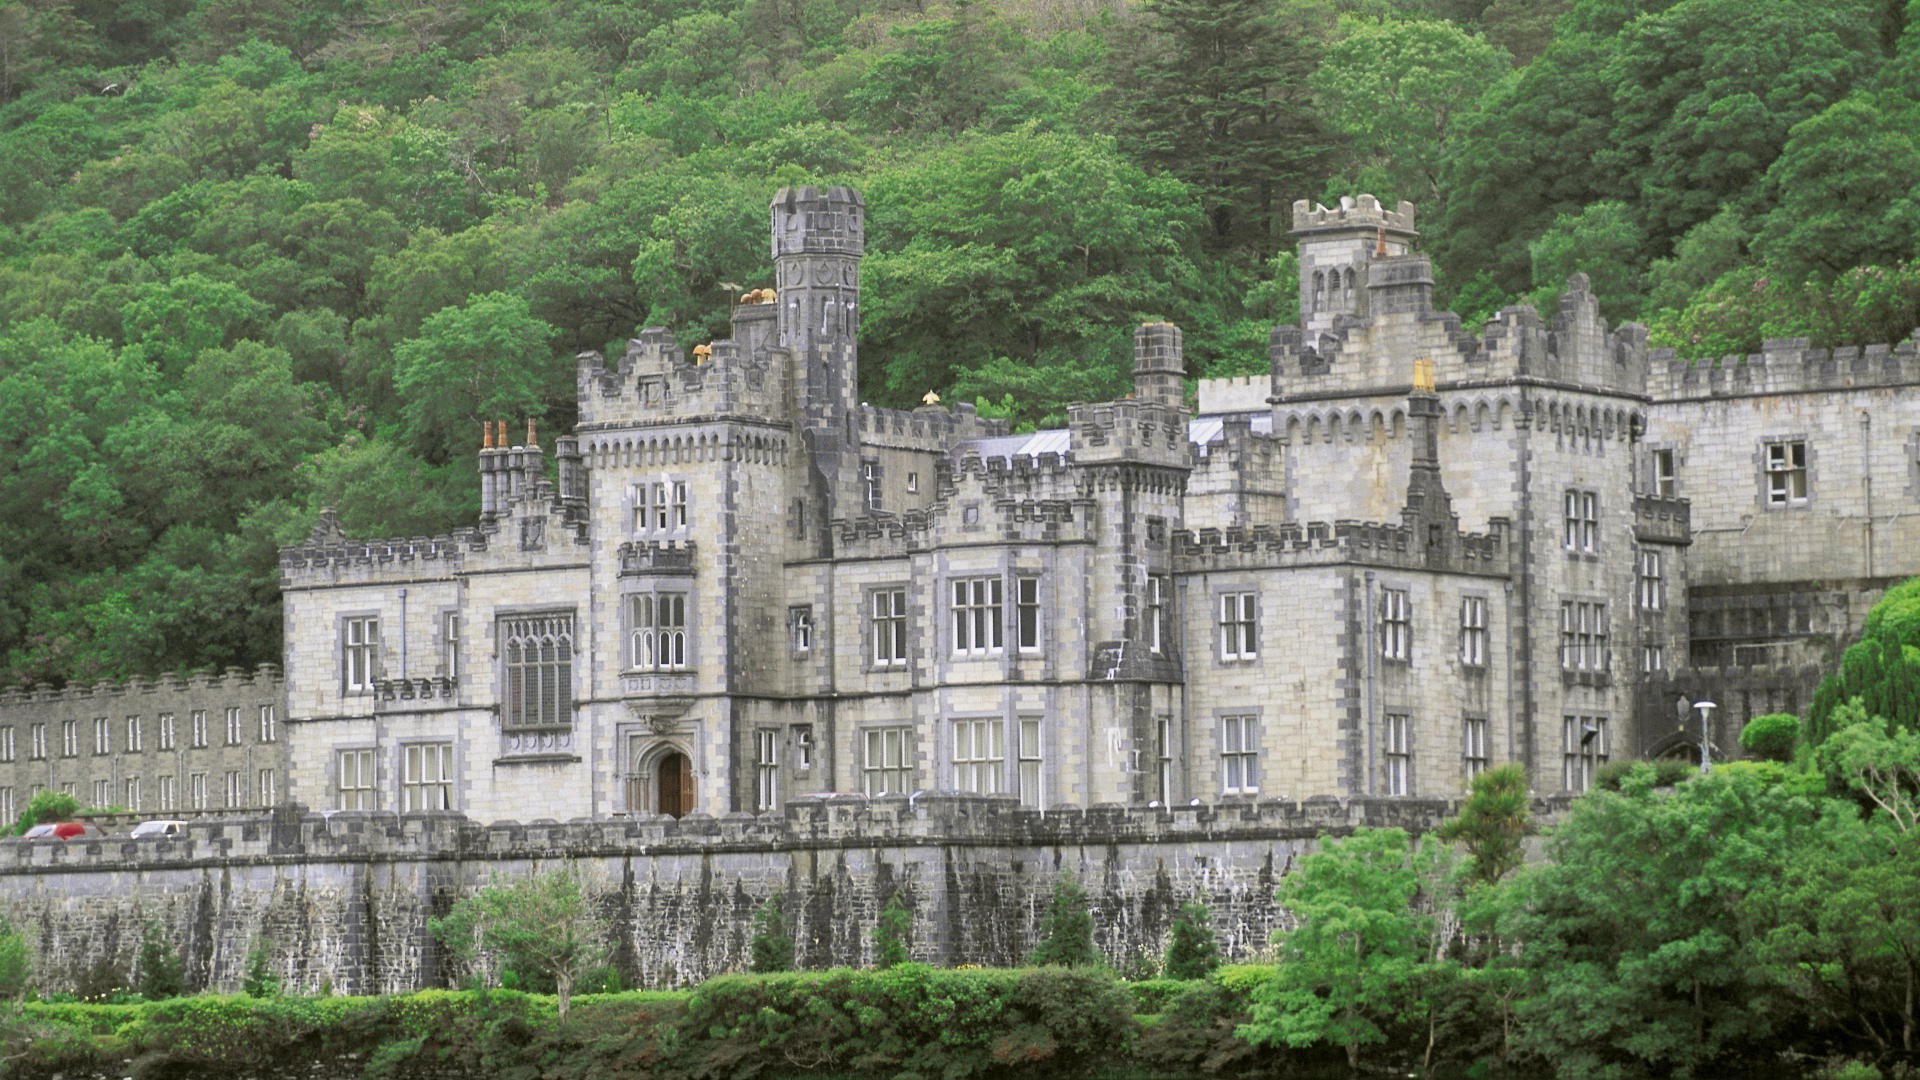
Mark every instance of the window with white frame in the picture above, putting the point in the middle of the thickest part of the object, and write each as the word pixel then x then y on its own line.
pixel 1026 612
pixel 870 479
pixel 359 653
pixel 800 628
pixel 197 791
pixel 269 724
pixel 1786 472
pixel 353 780
pixel 1239 626
pixel 1159 588
pixel 1473 631
pixel 1239 755
pixel 1584 634
pixel 979 758
pixel 131 794
pixel 169 793
pixel 38 750
pixel 802 746
pixel 766 770
pixel 102 793
pixel 680 515
pixel 70 738
pixel 267 788
pixel 233 725
pixel 8 811
pixel 657 631
pixel 70 788
pixel 136 741
pixel 889 608
pixel 662 512
pixel 1651 590
pixel 1396 625
pixel 1582 520
pixel 6 749
pixel 885 767
pixel 450 645
pixel 199 733
pixel 977 622
pixel 1399 754
pixel 538 658
pixel 236 789
pixel 1664 477
pixel 1474 757
pixel 1587 748
pixel 426 777
pixel 166 731
pixel 1030 794
pixel 1653 657
pixel 913 483
pixel 102 735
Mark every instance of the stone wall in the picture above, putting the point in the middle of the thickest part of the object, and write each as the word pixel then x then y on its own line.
pixel 343 898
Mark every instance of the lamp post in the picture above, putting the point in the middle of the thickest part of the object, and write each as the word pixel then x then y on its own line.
pixel 1706 734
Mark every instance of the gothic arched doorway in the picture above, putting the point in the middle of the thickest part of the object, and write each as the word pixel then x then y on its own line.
pixel 673 784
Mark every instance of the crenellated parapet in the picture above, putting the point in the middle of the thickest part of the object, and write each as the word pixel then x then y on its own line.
pixel 643 558
pixel 405 695
pixel 1355 355
pixel 205 680
pixel 376 560
pixel 657 382
pixel 930 427
pixel 1152 432
pixel 1321 543
pixel 1785 366
pixel 289 835
pixel 1662 519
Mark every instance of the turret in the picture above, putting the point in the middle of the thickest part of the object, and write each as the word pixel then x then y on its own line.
pixel 818 235
pixel 1337 247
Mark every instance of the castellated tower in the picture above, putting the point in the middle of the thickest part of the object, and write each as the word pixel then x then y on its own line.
pixel 1336 248
pixel 818 237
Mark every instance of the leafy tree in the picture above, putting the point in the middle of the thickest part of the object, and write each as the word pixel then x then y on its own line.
pixel 260 980
pixel 1771 737
pixel 1493 823
pixel 16 964
pixel 1707 252
pixel 1395 87
pixel 1192 952
pixel 539 924
pixel 1348 968
pixel 46 805
pixel 1066 930
pixel 486 359
pixel 1637 938
pixel 1217 96
pixel 1846 189
pixel 893 934
pixel 1878 670
pixel 772 945
pixel 1602 241
pixel 162 972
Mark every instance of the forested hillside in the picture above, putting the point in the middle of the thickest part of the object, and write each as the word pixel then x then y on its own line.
pixel 258 257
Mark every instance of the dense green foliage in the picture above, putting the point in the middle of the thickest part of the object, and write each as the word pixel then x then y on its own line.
pixel 771 949
pixel 261 258
pixel 893 934
pixel 1066 929
pixel 538 927
pixel 45 806
pixel 1192 952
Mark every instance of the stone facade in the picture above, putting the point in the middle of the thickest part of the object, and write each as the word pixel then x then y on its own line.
pixel 1409 551
pixel 342 899
pixel 168 747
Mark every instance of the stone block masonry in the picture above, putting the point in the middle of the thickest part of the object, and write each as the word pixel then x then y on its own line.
pixel 343 899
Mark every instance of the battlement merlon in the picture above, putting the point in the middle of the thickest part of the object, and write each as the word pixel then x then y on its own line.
pixel 1159 363
pixel 1785 366
pixel 1661 519
pixel 1148 432
pixel 263 676
pixel 930 427
pixel 1323 543
pixel 657 382
pixel 811 220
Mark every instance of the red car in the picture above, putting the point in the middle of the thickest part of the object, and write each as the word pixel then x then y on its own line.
pixel 62 830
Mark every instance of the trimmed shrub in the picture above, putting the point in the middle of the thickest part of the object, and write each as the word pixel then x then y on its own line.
pixel 162 973
pixel 1066 931
pixel 1191 951
pixel 772 946
pixel 1771 737
pixel 893 934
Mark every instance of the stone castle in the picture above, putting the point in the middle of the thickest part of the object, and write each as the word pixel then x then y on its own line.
pixel 1411 551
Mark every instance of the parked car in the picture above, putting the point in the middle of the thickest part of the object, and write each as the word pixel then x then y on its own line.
pixel 159 827
pixel 63 830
